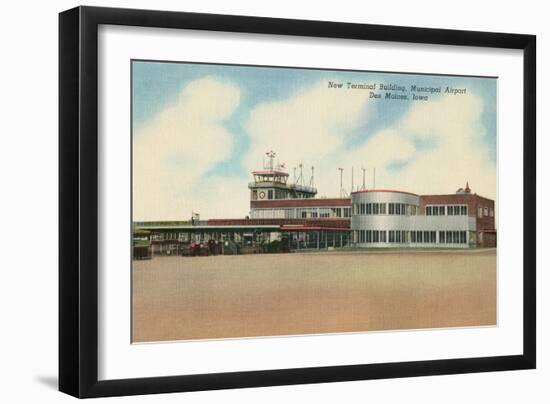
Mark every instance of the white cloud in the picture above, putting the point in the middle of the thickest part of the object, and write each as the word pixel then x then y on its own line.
pixel 173 152
pixel 456 155
pixel 313 126
pixel 308 126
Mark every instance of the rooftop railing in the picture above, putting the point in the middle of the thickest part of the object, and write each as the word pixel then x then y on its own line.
pixel 296 187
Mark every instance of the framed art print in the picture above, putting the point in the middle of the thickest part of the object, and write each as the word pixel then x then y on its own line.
pixel 249 201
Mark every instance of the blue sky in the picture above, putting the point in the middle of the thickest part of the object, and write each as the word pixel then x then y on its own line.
pixel 157 86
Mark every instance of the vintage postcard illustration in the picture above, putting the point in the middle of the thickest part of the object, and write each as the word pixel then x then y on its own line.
pixel 277 201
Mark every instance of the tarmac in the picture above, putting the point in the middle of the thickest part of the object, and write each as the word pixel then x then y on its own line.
pixel 184 298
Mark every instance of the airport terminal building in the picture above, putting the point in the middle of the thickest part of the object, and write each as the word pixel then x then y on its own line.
pixel 281 209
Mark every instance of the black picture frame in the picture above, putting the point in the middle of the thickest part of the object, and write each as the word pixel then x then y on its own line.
pixel 78 201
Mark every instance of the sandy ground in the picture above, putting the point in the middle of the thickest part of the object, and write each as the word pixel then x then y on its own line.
pixel 177 298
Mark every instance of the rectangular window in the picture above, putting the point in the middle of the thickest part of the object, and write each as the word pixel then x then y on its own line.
pixel 457 210
pixel 418 236
pixel 392 235
pixel 442 237
pixel 391 209
pixel 369 208
pixel 486 211
pixel 382 208
pixel 464 210
pixel 383 236
pixel 375 209
pixel 413 237
pixel 270 194
pixel 480 212
pixel 442 211
pixel 428 210
pixel 375 237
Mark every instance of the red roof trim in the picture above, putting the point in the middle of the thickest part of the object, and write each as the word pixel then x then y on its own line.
pixel 470 195
pixel 384 190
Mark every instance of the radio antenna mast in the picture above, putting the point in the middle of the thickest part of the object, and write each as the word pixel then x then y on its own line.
pixel 271 155
pixel 312 176
pixel 341 182
pixel 301 178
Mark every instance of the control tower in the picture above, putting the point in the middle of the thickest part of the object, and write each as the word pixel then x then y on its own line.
pixel 273 183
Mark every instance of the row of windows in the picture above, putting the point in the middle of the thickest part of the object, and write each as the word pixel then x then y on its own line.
pixel 278 194
pixel 449 210
pixel 384 208
pixel 423 237
pixel 372 236
pixel 414 237
pixel 270 194
pixel 300 213
pixel 485 211
pixel 452 237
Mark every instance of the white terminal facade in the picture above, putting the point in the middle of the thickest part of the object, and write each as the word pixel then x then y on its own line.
pixel 378 217
pixel 386 218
